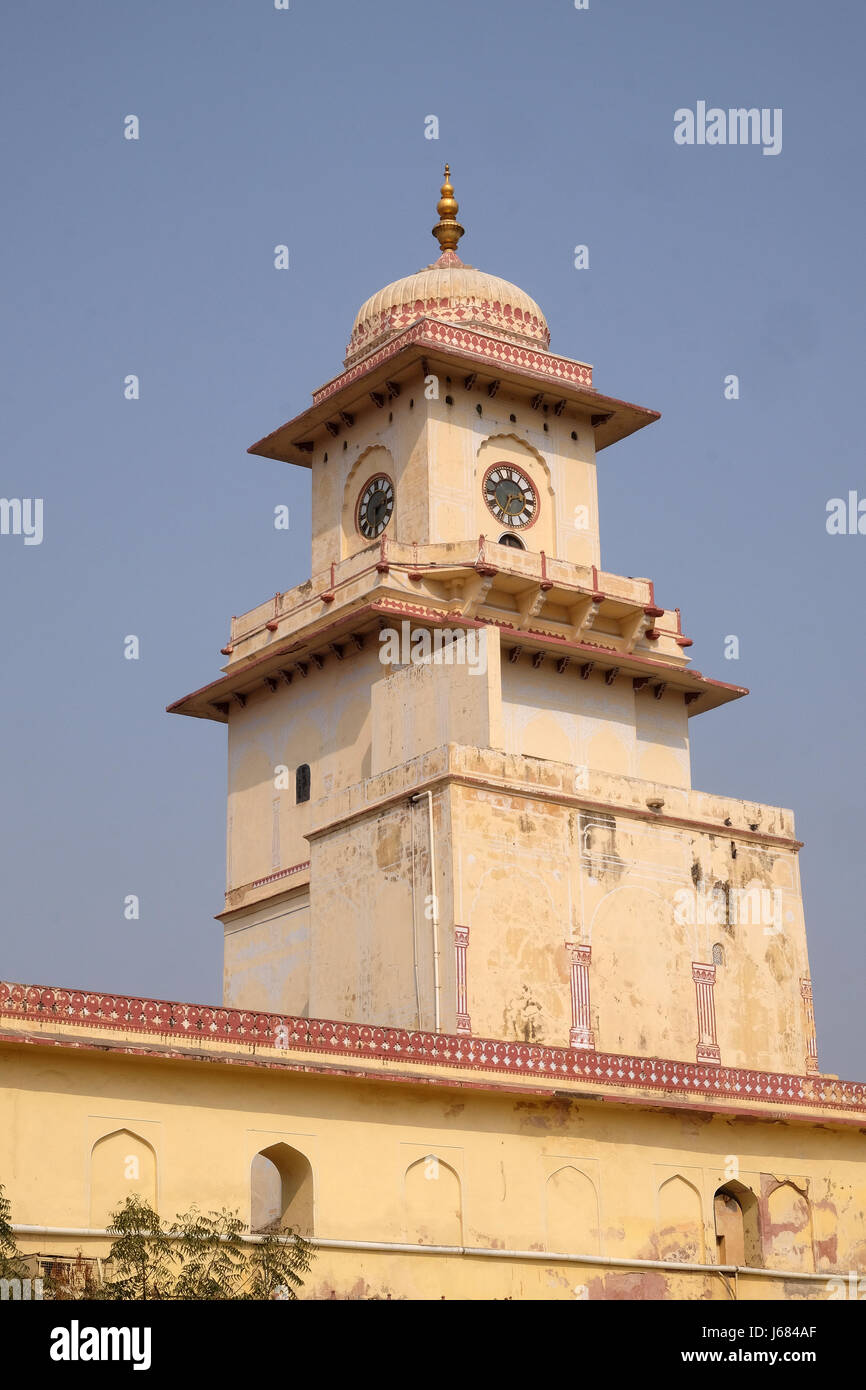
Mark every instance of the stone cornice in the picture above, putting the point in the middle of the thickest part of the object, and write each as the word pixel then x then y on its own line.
pixel 452 772
pixel 523 367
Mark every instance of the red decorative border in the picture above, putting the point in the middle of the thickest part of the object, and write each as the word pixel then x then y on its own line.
pixel 477 344
pixel 536 492
pixel 461 946
pixel 272 878
pixel 173 1019
pixel 499 316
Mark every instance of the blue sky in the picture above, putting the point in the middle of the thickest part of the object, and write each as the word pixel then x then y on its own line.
pixel 306 127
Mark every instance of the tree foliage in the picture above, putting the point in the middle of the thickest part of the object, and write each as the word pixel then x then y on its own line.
pixel 203 1256
pixel 12 1262
pixel 140 1258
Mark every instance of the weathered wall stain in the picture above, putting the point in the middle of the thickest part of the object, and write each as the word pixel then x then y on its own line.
pixel 648 1285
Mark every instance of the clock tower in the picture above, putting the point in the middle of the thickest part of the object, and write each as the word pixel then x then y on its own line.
pixel 459 784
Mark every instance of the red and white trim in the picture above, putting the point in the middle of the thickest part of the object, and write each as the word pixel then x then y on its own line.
pixel 581 1034
pixel 273 878
pixel 811 1035
pixel 704 977
pixel 62 1008
pixel 461 944
pixel 431 331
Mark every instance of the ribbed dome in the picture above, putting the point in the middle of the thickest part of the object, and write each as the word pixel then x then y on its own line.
pixel 454 293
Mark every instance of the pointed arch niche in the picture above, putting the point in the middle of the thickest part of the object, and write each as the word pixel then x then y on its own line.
pixel 735 1217
pixel 433 1202
pixel 788 1242
pixel 680 1222
pixel 122 1164
pixel 281 1190
pixel 571 1210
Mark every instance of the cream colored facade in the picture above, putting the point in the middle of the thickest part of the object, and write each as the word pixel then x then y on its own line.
pixel 460 808
pixel 592 1184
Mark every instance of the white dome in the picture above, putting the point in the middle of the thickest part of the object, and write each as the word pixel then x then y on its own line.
pixel 454 293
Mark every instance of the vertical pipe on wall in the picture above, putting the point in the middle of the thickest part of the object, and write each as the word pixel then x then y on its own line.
pixel 414 922
pixel 434 904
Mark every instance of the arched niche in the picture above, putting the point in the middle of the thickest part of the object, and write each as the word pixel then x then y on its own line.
pixel 572 1212
pixel 122 1164
pixel 788 1230
pixel 433 1202
pixel 281 1190
pixel 735 1217
pixel 680 1222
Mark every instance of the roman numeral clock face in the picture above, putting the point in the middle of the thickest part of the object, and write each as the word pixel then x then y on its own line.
pixel 510 496
pixel 375 506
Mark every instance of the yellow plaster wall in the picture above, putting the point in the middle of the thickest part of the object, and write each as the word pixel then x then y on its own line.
pixel 611 728
pixel 319 720
pixel 526 872
pixel 391 439
pixel 266 960
pixel 415 1163
pixel 437 455
pixel 370 899
pixel 513 888
pixel 463 445
pixel 454 694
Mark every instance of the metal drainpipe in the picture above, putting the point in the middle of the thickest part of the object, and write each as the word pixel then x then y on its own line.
pixel 415 929
pixel 480 1251
pixel 437 1013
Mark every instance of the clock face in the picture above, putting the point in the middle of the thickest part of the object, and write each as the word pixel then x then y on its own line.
pixel 375 506
pixel 510 495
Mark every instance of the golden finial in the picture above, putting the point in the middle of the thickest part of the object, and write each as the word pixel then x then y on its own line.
pixel 447 230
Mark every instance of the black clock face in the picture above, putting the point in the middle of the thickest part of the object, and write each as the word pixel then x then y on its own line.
pixel 510 495
pixel 375 506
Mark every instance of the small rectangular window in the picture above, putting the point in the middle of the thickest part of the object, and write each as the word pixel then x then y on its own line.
pixel 302 783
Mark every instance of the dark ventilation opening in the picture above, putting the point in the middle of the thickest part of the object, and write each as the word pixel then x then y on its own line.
pixel 281 1190
pixel 738 1240
pixel 515 542
pixel 302 783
